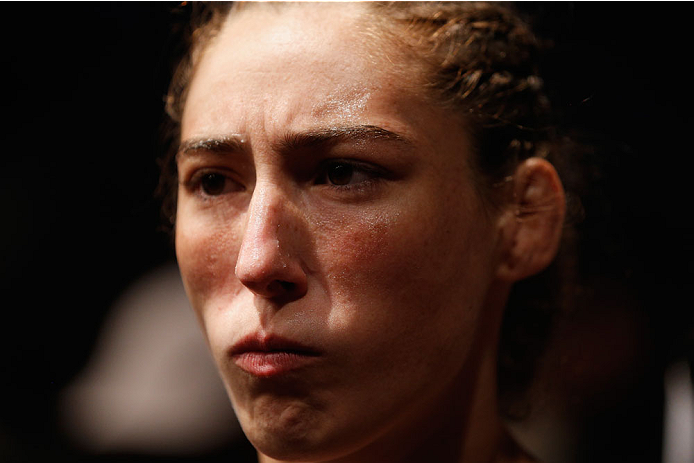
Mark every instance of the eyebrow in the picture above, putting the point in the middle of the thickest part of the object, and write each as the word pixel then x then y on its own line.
pixel 222 145
pixel 332 135
pixel 294 141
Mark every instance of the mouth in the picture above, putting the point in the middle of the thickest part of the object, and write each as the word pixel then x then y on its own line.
pixel 266 356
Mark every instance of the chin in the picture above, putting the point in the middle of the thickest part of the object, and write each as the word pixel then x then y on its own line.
pixel 288 438
pixel 292 433
pixel 284 446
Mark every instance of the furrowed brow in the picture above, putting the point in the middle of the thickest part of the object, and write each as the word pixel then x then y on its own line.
pixel 293 141
pixel 223 145
pixel 332 135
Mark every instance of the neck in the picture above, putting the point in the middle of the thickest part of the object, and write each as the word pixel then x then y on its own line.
pixel 462 424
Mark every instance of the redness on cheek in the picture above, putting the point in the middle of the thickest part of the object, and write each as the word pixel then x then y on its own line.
pixel 357 240
pixel 359 251
pixel 365 241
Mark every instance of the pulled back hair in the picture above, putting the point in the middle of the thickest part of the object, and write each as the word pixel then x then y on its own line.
pixel 480 60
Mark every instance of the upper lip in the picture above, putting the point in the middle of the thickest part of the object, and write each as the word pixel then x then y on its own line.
pixel 261 342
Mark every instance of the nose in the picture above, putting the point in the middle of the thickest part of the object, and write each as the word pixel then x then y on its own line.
pixel 269 260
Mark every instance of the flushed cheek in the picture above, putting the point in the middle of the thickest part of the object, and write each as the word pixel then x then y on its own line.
pixel 389 324
pixel 368 267
pixel 382 250
pixel 353 247
pixel 404 270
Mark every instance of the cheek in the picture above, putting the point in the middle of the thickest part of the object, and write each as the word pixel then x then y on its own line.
pixel 406 287
pixel 355 245
pixel 427 244
pixel 419 270
pixel 369 261
pixel 206 257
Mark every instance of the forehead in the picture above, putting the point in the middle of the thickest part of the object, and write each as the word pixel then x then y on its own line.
pixel 295 64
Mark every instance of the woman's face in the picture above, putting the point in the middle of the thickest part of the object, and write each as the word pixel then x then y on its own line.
pixel 328 232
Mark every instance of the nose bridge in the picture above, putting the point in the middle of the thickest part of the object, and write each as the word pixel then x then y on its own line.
pixel 268 262
pixel 264 218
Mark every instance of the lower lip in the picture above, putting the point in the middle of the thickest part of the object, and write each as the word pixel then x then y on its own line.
pixel 267 364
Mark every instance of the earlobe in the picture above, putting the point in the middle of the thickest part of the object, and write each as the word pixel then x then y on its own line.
pixel 531 227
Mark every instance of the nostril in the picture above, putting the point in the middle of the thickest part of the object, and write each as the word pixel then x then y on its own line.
pixel 279 287
pixel 288 286
pixel 283 292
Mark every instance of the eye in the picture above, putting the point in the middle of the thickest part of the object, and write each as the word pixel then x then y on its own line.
pixel 213 184
pixel 339 173
pixel 344 173
pixel 216 184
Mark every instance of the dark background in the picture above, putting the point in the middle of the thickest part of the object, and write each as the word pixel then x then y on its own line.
pixel 83 87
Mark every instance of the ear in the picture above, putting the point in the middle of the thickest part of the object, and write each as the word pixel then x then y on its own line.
pixel 530 228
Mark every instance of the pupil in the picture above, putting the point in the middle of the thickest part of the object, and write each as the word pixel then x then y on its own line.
pixel 340 174
pixel 213 184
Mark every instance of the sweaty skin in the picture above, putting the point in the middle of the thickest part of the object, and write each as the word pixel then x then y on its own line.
pixel 386 274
